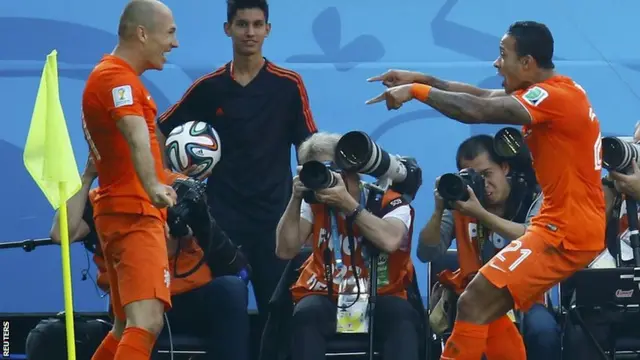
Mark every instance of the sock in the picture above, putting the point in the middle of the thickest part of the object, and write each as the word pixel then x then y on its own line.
pixel 467 342
pixel 136 344
pixel 504 341
pixel 107 348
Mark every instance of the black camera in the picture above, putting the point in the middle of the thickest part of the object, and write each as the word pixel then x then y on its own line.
pixel 618 153
pixel 357 152
pixel 316 175
pixel 192 211
pixel 453 187
pixel 190 194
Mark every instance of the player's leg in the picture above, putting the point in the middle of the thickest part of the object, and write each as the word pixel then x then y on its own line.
pixel 518 275
pixel 109 346
pixel 138 248
pixel 470 334
pixel 504 341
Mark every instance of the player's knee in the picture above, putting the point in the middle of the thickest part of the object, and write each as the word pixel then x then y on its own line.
pixel 482 302
pixel 146 314
pixel 466 306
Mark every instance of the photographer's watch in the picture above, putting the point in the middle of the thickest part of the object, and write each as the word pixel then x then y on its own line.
pixel 608 183
pixel 352 216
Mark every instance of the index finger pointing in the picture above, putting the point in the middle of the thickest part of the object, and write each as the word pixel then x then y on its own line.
pixel 376 78
pixel 375 100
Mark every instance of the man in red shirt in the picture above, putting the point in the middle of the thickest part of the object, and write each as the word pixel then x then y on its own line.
pixel 565 145
pixel 119 124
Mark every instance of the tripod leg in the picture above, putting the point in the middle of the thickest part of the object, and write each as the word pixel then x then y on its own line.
pixel 373 293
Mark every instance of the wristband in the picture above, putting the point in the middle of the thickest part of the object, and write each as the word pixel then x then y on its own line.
pixel 420 91
pixel 355 213
pixel 608 183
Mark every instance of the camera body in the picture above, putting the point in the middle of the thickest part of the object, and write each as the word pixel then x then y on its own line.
pixel 619 153
pixel 356 152
pixel 190 193
pixel 510 147
pixel 452 187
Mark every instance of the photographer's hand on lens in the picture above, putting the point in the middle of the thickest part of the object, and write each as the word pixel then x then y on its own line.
pixel 471 207
pixel 396 77
pixel 394 97
pixel 337 197
pixel 298 188
pixel 439 201
pixel 628 183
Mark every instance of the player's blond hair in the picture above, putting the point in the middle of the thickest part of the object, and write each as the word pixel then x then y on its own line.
pixel 318 145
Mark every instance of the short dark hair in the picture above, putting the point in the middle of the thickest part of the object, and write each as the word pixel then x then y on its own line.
pixel 234 5
pixel 475 146
pixel 535 39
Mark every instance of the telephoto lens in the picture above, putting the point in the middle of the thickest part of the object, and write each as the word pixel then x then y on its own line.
pixel 619 153
pixel 508 142
pixel 317 176
pixel 356 152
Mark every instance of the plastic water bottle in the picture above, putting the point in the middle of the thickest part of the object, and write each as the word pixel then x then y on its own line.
pixel 352 308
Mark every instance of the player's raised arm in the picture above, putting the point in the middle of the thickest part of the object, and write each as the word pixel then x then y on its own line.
pixel 394 78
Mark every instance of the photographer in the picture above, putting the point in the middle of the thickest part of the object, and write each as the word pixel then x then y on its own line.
pixel 396 325
pixel 605 325
pixel 203 306
pixel 481 229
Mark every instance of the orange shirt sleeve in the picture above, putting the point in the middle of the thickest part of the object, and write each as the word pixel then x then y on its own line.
pixel 121 93
pixel 543 102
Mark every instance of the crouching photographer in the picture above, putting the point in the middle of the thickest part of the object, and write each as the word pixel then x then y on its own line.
pixel 207 272
pixel 331 204
pixel 485 206
pixel 607 323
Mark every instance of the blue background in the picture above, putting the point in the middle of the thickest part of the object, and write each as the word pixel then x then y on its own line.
pixel 335 45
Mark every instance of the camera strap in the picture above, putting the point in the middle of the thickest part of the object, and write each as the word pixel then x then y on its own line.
pixel 482 236
pixel 337 245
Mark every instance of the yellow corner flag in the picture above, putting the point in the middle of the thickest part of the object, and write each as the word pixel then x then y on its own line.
pixel 48 157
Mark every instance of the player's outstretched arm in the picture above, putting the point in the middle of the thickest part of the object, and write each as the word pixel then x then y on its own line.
pixel 402 77
pixel 470 109
pixel 465 108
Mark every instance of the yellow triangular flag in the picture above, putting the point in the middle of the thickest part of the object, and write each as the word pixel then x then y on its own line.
pixel 48 155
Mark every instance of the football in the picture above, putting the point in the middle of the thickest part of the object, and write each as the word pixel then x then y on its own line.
pixel 193 143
